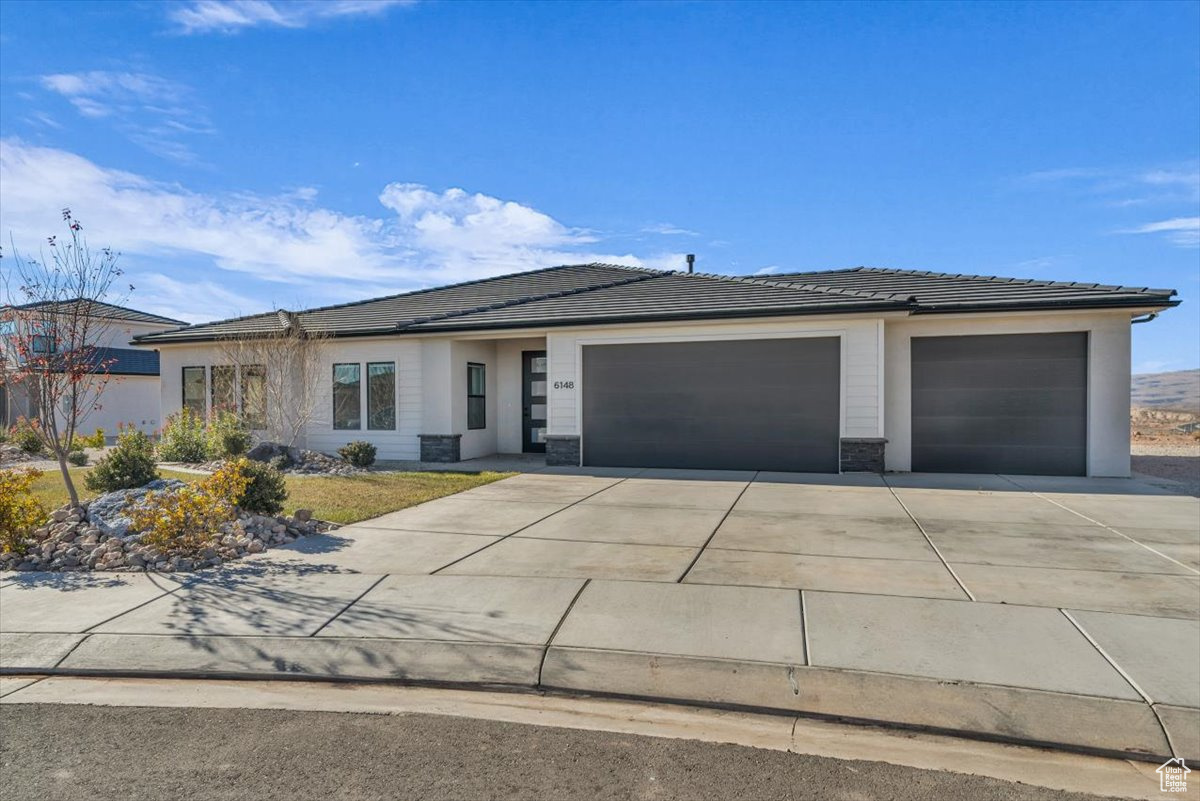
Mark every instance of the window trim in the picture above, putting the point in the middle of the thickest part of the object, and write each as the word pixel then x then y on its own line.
pixel 367 390
pixel 333 396
pixel 183 383
pixel 481 397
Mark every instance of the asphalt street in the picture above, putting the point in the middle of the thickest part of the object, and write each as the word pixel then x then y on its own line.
pixel 74 753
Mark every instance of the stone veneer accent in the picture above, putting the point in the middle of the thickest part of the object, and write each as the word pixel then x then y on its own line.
pixel 562 450
pixel 862 454
pixel 441 447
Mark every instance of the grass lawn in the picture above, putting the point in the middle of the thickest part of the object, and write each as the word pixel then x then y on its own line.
pixel 338 499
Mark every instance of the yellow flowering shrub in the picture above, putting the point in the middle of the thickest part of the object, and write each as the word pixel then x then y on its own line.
pixel 189 518
pixel 20 512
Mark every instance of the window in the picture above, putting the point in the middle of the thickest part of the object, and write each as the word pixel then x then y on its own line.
pixel 254 395
pixel 381 396
pixel 42 343
pixel 476 396
pixel 223 385
pixel 347 412
pixel 193 390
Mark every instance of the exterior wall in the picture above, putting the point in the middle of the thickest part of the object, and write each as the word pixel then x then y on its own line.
pixel 478 442
pixel 861 367
pixel 509 406
pixel 401 444
pixel 126 400
pixel 1108 377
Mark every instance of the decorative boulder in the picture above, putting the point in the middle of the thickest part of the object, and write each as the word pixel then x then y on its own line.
pixel 270 451
pixel 107 512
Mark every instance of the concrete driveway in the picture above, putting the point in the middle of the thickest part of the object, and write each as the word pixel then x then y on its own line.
pixel 1061 611
pixel 1106 545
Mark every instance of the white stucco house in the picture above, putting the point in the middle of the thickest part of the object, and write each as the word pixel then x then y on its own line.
pixel 131 395
pixel 602 365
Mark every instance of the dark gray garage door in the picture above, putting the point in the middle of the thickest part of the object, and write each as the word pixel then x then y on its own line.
pixel 766 404
pixel 1000 404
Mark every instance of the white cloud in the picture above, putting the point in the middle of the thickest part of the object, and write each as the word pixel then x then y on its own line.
pixel 772 270
pixel 1125 187
pixel 1181 231
pixel 668 229
pixel 421 237
pixel 151 111
pixel 230 16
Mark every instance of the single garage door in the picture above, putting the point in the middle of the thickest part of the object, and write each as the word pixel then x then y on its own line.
pixel 1014 403
pixel 764 404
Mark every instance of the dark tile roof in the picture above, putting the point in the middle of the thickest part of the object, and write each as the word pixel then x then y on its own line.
pixel 108 311
pixel 113 361
pixel 129 361
pixel 936 292
pixel 602 293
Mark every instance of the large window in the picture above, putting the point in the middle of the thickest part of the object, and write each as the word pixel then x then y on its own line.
pixel 224 388
pixel 381 396
pixel 347 411
pixel 254 396
pixel 476 396
pixel 193 390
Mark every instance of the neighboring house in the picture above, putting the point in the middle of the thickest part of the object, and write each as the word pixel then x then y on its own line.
pixel 603 365
pixel 132 394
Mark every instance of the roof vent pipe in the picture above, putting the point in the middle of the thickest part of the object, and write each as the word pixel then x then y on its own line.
pixel 691 260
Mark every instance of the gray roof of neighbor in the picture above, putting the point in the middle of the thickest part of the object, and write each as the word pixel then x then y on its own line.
pixel 98 308
pixel 606 293
pixel 128 361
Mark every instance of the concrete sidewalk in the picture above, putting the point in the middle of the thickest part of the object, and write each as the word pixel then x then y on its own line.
pixel 1052 611
pixel 1094 681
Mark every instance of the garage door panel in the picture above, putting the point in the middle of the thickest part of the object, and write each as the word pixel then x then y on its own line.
pixel 1000 373
pixel 1000 404
pixel 1012 461
pixel 743 404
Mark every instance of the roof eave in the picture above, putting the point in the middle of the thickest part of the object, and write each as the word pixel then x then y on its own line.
pixel 1006 306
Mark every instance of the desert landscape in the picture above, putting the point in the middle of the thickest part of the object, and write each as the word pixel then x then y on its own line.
pixel 1164 406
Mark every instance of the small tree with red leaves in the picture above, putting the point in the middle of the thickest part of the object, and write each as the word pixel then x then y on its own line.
pixel 51 313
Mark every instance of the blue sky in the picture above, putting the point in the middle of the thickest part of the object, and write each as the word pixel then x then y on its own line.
pixel 250 155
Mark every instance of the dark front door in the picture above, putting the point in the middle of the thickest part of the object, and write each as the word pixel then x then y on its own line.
pixel 533 401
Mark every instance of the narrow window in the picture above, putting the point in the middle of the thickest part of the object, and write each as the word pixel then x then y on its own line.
pixel 254 396
pixel 42 343
pixel 193 390
pixel 347 413
pixel 476 396
pixel 381 396
pixel 223 397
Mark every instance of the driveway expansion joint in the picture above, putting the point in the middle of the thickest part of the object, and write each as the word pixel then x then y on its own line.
pixel 925 534
pixel 716 528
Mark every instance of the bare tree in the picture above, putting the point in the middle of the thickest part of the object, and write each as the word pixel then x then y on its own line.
pixel 53 310
pixel 276 375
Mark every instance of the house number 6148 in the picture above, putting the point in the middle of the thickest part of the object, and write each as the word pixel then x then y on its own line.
pixel 564 385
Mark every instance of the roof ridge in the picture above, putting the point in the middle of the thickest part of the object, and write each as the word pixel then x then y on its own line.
pixel 765 281
pixel 38 303
pixel 424 290
pixel 646 275
pixel 976 277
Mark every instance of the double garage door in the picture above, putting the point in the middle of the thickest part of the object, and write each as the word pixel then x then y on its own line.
pixel 762 404
pixel 980 404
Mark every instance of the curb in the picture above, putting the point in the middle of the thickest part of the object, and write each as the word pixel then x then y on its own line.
pixel 1082 724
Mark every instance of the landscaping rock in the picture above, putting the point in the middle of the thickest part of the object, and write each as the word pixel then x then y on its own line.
pixel 270 451
pixel 12 455
pixel 107 513
pixel 95 536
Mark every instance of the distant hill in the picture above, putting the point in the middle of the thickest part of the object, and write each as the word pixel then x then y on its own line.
pixel 1179 390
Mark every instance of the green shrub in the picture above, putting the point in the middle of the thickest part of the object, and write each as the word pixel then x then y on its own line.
pixel 77 457
pixel 265 490
pixel 130 463
pixel 358 453
pixel 226 436
pixel 20 509
pixel 95 440
pixel 183 439
pixel 25 436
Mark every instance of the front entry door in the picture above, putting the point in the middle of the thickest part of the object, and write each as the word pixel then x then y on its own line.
pixel 533 401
